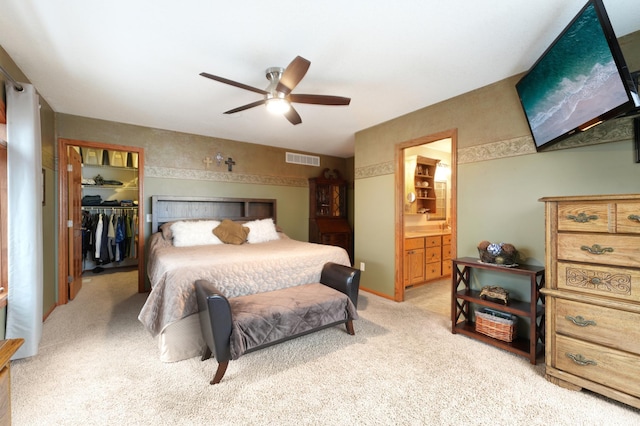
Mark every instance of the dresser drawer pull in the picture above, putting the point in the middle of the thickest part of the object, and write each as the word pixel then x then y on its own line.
pixel 580 321
pixel 634 217
pixel 582 217
pixel 597 249
pixel 580 359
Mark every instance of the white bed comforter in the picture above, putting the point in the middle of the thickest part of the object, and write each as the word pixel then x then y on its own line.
pixel 236 270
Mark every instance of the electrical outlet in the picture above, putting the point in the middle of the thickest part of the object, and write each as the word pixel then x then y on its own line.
pixel 362 266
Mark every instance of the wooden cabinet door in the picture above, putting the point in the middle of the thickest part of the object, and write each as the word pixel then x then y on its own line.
pixel 416 266
pixel 74 192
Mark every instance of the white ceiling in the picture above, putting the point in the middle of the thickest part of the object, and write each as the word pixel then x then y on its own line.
pixel 138 61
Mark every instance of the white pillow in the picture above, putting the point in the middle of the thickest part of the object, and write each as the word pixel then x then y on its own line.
pixel 261 231
pixel 198 233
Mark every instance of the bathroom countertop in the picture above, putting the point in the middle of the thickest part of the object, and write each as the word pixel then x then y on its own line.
pixel 426 233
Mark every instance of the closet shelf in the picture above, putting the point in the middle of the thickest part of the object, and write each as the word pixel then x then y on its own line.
pixel 109 207
pixel 111 187
pixel 104 166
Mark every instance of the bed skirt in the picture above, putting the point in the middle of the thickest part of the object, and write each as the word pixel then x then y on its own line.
pixel 181 340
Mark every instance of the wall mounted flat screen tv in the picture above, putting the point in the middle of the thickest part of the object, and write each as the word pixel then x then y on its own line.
pixel 581 80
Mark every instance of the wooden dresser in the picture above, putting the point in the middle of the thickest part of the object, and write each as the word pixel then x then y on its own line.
pixel 593 294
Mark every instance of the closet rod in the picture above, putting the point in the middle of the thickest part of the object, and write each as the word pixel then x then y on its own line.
pixel 16 85
pixel 108 208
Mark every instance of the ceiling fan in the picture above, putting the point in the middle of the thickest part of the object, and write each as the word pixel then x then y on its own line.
pixel 278 96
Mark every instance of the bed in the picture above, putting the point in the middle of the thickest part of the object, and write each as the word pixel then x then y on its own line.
pixel 270 260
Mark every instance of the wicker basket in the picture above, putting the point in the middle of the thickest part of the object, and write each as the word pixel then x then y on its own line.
pixel 496 324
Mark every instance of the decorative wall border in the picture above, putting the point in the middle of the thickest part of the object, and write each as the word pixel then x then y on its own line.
pixel 501 149
pixel 227 177
pixel 375 170
pixel 617 130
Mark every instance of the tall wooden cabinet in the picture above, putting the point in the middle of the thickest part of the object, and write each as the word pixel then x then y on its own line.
pixel 593 294
pixel 328 211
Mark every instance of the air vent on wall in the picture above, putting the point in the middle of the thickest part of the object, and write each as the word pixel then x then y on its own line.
pixel 306 160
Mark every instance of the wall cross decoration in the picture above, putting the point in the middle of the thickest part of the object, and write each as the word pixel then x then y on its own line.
pixel 207 162
pixel 230 163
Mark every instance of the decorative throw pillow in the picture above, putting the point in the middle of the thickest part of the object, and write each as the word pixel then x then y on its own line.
pixel 261 231
pixel 197 233
pixel 231 232
pixel 165 228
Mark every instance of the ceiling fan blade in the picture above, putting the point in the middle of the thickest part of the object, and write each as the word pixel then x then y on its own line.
pixel 293 74
pixel 293 116
pixel 318 99
pixel 233 83
pixel 247 106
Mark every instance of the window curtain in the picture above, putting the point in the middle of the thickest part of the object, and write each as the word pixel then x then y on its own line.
pixel 24 170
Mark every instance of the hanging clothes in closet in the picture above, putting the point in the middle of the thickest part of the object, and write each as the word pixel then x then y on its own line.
pixel 108 237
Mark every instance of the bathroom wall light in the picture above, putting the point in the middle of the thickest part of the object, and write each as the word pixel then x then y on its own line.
pixel 443 171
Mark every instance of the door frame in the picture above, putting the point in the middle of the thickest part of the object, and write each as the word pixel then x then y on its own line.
pixel 400 189
pixel 63 247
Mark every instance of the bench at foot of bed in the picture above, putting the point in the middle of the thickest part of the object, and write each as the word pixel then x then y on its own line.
pixel 235 326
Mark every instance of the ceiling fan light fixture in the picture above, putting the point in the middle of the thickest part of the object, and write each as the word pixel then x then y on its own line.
pixel 277 105
pixel 277 96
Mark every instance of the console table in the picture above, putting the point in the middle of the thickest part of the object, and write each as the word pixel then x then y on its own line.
pixel 462 296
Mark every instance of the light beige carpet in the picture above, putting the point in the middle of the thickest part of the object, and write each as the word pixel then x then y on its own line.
pixel 98 366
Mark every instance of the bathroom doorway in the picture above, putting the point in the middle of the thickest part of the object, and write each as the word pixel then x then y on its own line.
pixel 411 215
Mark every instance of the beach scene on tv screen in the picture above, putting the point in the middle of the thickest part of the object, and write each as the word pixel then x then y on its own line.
pixel 576 81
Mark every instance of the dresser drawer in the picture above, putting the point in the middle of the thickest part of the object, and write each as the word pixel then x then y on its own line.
pixel 447 268
pixel 597 324
pixel 628 218
pixel 433 271
pixel 434 241
pixel 618 283
pixel 446 252
pixel 413 243
pixel 609 367
pixel 432 254
pixel 607 249
pixel 446 239
pixel 587 217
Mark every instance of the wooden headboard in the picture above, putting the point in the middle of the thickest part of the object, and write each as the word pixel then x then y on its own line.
pixel 167 208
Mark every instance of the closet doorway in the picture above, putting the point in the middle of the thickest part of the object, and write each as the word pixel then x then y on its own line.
pixel 127 159
pixel 402 218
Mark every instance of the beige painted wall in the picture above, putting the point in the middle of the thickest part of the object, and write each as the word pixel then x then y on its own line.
pixel 500 177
